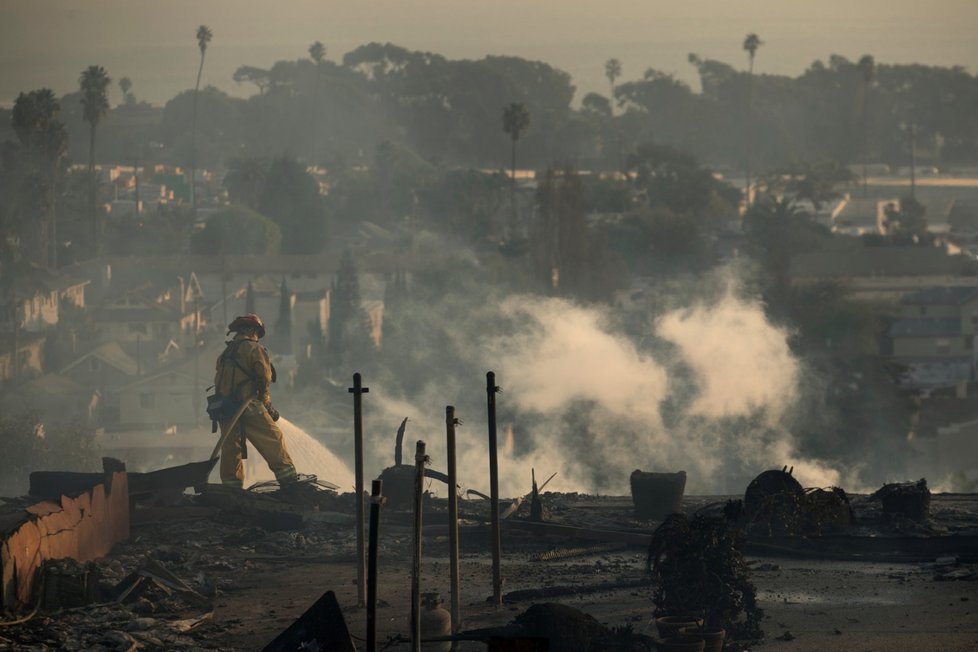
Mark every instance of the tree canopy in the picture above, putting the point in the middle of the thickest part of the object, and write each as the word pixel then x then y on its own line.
pixel 237 230
pixel 291 198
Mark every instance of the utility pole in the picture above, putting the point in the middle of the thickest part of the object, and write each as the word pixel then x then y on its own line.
pixel 497 583
pixel 419 460
pixel 358 390
pixel 451 423
pixel 376 502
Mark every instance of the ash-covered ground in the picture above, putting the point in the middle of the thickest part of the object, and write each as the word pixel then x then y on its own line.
pixel 246 579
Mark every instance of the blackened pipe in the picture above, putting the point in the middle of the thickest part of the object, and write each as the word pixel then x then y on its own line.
pixel 497 583
pixel 419 460
pixel 450 424
pixel 376 500
pixel 358 390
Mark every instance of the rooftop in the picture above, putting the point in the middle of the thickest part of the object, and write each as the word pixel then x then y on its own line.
pixel 875 262
pixel 941 296
pixel 926 327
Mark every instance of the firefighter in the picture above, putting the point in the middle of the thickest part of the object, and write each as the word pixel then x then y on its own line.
pixel 244 372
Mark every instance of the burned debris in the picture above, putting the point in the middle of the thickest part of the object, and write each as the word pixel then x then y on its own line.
pixel 192 553
pixel 905 499
pixel 775 504
pixel 657 495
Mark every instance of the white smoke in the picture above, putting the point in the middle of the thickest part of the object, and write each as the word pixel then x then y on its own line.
pixel 742 362
pixel 567 354
pixel 712 392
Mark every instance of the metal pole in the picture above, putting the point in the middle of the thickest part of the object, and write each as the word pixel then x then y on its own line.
pixel 419 459
pixel 450 424
pixel 913 160
pixel 497 583
pixel 358 390
pixel 376 501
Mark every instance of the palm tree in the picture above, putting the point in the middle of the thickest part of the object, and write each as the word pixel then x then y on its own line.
pixel 124 85
pixel 612 70
pixel 867 66
pixel 751 44
pixel 516 120
pixel 317 52
pixel 204 36
pixel 44 142
pixel 94 82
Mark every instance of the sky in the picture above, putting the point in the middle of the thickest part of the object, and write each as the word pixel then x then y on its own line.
pixel 46 43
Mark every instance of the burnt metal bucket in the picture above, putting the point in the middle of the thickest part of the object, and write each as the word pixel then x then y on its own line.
pixel 657 495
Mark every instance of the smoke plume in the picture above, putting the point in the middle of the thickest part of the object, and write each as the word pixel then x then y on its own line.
pixel 710 387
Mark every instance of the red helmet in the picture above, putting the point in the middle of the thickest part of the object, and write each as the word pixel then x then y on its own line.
pixel 250 320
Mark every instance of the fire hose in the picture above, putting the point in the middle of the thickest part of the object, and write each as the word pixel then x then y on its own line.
pixel 231 424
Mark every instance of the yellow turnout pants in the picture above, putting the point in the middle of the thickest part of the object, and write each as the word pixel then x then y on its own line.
pixel 258 428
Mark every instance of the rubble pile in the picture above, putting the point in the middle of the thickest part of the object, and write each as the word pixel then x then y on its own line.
pixel 905 500
pixel 173 583
pixel 565 627
pixel 103 627
pixel 158 590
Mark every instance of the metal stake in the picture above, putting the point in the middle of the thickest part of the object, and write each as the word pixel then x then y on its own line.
pixel 358 390
pixel 497 582
pixel 376 501
pixel 419 460
pixel 450 424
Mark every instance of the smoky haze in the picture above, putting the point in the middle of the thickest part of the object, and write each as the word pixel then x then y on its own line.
pixel 710 387
pixel 660 259
pixel 41 41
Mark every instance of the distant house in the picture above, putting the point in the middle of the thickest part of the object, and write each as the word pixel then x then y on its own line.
pixel 859 216
pixel 171 397
pixel 72 291
pixel 39 295
pixel 937 212
pixel 153 195
pixel 881 273
pixel 104 369
pixel 105 366
pixel 62 398
pixel 935 338
pixel 944 437
pixel 175 182
pixel 29 357
pixel 309 309
pixel 150 314
pixel 38 309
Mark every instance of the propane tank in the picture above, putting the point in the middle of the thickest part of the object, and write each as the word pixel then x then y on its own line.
pixel 435 621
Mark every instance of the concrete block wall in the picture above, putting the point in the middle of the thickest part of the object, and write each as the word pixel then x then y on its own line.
pixel 84 528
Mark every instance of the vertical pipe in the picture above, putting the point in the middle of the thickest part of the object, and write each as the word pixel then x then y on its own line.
pixel 376 500
pixel 419 459
pixel 913 160
pixel 358 390
pixel 491 389
pixel 450 423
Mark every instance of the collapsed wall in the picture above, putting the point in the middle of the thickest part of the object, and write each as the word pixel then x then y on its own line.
pixel 83 526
